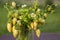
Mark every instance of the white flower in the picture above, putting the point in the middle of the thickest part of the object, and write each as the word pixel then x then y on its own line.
pixel 24 5
pixel 33 15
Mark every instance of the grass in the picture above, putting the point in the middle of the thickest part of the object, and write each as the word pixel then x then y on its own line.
pixel 52 24
pixel 3 20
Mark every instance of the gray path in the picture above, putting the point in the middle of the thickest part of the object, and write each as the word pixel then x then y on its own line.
pixel 44 36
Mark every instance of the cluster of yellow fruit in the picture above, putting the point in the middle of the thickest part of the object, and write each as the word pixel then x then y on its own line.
pixel 11 28
pixel 25 16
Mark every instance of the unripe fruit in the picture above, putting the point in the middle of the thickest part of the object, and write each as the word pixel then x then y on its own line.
pixel 45 15
pixel 32 25
pixel 9 27
pixel 41 21
pixel 13 4
pixel 38 33
pixel 14 21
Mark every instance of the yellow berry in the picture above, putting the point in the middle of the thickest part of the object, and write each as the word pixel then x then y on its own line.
pixel 35 25
pixel 9 27
pixel 38 33
pixel 41 21
pixel 13 28
pixel 13 4
pixel 32 25
pixel 15 32
pixel 14 21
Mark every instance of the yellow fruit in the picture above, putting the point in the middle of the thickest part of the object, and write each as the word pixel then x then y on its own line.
pixel 14 21
pixel 45 15
pixel 32 25
pixel 41 21
pixel 15 33
pixel 13 4
pixel 13 28
pixel 38 33
pixel 9 27
pixel 35 25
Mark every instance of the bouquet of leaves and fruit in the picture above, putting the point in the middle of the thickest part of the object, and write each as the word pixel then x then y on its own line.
pixel 23 19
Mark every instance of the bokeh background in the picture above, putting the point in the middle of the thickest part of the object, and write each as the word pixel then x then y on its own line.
pixel 52 24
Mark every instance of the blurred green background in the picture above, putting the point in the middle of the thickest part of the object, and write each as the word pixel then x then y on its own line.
pixel 52 24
